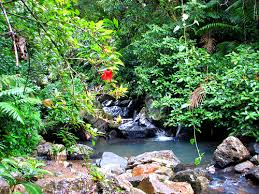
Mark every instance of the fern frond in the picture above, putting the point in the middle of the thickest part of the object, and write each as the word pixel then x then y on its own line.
pixel 217 26
pixel 7 79
pixel 17 91
pixel 9 109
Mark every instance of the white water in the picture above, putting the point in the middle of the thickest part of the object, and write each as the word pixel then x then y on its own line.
pixel 162 136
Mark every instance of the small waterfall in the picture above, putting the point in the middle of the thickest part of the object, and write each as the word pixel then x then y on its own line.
pixel 162 136
pixel 178 130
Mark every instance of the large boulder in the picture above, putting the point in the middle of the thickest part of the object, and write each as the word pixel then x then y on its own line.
pixel 230 151
pixel 140 127
pixel 199 183
pixel 164 158
pixel 112 163
pixel 4 187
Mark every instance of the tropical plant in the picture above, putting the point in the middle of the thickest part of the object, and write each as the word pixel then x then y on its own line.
pixel 20 118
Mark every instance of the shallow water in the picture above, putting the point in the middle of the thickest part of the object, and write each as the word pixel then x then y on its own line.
pixel 231 183
pixel 182 149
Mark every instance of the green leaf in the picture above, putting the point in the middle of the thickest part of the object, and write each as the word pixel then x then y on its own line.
pixel 11 111
pixel 32 188
pixel 192 141
pixel 197 161
pixel 116 23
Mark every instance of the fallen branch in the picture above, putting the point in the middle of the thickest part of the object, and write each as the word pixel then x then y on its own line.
pixel 11 32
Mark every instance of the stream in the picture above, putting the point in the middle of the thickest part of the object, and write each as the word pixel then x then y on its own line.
pixel 220 183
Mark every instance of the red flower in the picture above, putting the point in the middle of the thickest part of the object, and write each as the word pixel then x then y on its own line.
pixel 107 75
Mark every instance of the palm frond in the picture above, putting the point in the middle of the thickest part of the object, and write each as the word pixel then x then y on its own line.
pixel 197 97
pixel 11 111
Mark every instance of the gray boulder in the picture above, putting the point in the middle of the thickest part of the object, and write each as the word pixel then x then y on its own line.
pixel 230 151
pixel 112 163
pixel 140 127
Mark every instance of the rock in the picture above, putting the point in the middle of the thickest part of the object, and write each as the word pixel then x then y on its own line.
pixel 115 111
pixel 144 169
pixel 58 152
pixel 165 171
pixel 44 149
pixel 230 151
pixel 123 103
pixel 66 185
pixel 152 184
pixel 199 183
pixel 164 158
pixel 255 159
pixel 79 152
pixel 253 174
pixel 244 167
pixel 4 187
pixel 113 163
pixel 180 187
pixel 103 97
pixel 140 127
pixel 108 103
pixel 135 180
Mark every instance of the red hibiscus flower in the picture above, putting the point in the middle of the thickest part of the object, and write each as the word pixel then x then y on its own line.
pixel 107 75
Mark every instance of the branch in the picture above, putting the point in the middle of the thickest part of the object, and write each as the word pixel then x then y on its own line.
pixel 12 34
pixel 43 28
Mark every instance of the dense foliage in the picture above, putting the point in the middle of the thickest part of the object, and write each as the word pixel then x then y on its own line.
pixel 198 60
pixel 178 49
pixel 58 72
